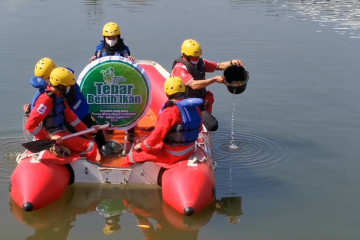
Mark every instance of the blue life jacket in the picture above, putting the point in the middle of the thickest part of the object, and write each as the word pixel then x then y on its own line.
pixel 120 49
pixel 40 83
pixel 77 101
pixel 186 132
pixel 56 119
pixel 74 97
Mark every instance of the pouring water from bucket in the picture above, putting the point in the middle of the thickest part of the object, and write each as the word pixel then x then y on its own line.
pixel 237 77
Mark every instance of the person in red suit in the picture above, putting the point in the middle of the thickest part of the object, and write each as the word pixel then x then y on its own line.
pixel 176 131
pixel 191 68
pixel 47 118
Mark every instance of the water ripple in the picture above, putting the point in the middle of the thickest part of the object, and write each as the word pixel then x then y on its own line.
pixel 258 150
pixel 9 148
pixel 254 152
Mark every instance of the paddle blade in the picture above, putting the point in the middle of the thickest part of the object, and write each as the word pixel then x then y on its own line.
pixel 38 145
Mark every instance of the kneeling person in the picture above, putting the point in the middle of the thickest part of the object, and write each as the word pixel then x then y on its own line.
pixel 50 112
pixel 176 131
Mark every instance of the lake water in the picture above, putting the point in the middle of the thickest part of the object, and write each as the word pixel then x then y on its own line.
pixel 296 127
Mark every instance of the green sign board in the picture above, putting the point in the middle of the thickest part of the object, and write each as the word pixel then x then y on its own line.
pixel 117 91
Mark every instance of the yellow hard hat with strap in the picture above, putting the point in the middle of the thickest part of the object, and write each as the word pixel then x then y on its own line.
pixel 174 85
pixel 62 76
pixel 111 29
pixel 44 67
pixel 191 47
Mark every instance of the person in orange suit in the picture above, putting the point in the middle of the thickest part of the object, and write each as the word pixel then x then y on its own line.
pixel 47 118
pixel 176 131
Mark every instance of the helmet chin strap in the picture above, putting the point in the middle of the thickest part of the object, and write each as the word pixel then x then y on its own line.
pixel 61 88
pixel 176 96
pixel 188 58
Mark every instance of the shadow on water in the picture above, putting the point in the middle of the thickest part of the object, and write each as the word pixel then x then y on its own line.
pixel 112 204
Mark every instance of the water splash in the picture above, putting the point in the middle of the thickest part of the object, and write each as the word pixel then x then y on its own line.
pixel 26 135
pixel 9 148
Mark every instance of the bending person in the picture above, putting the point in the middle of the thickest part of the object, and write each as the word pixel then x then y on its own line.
pixel 47 118
pixel 176 131
pixel 192 68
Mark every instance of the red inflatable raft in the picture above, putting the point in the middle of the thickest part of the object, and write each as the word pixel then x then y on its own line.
pixel 187 186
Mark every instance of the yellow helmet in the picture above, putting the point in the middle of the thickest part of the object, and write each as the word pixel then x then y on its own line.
pixel 62 76
pixel 174 85
pixel 44 67
pixel 111 227
pixel 111 29
pixel 107 229
pixel 191 47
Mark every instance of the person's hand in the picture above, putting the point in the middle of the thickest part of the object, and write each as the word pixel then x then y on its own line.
pixel 220 79
pixel 131 58
pixel 57 138
pixel 27 108
pixel 137 147
pixel 236 62
pixel 92 58
pixel 96 128
pixel 91 135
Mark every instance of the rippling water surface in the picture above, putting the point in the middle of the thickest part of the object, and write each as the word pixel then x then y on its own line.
pixel 342 16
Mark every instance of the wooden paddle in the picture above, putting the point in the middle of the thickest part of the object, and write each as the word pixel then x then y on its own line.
pixel 40 145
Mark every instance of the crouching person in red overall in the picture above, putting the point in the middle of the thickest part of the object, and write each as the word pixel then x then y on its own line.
pixel 47 117
pixel 176 131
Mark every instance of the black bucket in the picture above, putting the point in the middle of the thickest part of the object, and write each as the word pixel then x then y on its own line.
pixel 237 77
